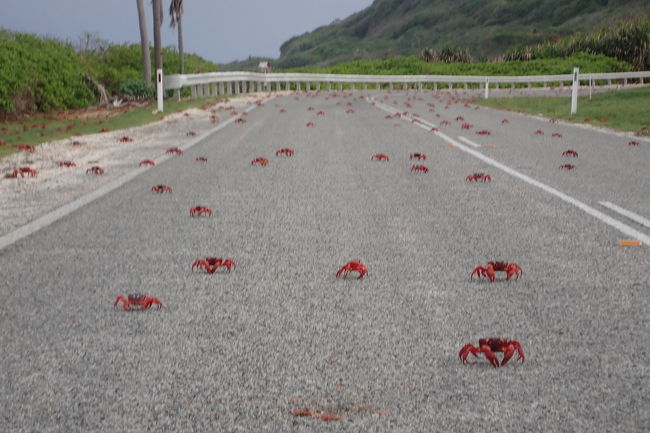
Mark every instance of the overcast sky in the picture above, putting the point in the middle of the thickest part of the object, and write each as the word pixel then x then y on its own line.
pixel 219 30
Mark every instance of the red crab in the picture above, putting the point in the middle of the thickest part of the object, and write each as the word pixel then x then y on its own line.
pixel 633 143
pixel 77 143
pixel 466 126
pixel 311 124
pixel 460 119
pixel 483 132
pixel 191 134
pixel 286 151
pixel 320 113
pixel 418 156
pixel 200 210
pixel 174 150
pixel 553 120
pixel 214 119
pixel 310 108
pixel 146 162
pixel 434 129
pixel 201 159
pixel 67 164
pixel 211 264
pixel 557 135
pixel 350 111
pixel 567 167
pixel 22 171
pixel 539 132
pixel 505 121
pixel 570 152
pixel 260 161
pixel 143 302
pixel 352 266
pixel 445 122
pixel 420 168
pixel 161 189
pixel 240 120
pixel 380 157
pixel 490 345
pixel 95 170
pixel 125 139
pixel 475 177
pixel 282 110
pixel 27 147
pixel 509 268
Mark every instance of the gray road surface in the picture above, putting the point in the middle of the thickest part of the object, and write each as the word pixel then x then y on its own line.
pixel 239 352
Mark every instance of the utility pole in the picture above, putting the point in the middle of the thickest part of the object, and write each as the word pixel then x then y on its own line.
pixel 157 44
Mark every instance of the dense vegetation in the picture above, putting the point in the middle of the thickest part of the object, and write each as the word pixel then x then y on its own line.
pixel 415 66
pixel 628 41
pixel 45 74
pixel 487 28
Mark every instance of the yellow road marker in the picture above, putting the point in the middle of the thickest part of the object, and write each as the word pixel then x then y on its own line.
pixel 490 146
pixel 449 145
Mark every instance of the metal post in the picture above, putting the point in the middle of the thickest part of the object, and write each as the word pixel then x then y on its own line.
pixel 574 91
pixel 159 89
pixel 487 87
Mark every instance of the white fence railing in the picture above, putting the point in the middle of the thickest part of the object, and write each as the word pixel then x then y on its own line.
pixel 222 83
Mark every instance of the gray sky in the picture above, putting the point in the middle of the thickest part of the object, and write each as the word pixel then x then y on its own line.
pixel 219 30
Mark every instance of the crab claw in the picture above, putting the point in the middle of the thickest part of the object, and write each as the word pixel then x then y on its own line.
pixel 480 271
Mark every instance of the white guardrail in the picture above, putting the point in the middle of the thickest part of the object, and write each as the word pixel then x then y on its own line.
pixel 223 83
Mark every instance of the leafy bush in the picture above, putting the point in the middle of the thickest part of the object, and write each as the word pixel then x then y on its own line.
pixel 38 74
pixel 415 66
pixel 137 89
pixel 45 74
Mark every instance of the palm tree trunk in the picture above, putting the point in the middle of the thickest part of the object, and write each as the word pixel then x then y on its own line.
pixel 144 43
pixel 180 43
pixel 157 44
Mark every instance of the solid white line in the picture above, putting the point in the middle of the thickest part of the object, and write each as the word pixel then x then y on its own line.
pixel 470 142
pixel 67 209
pixel 623 228
pixel 626 213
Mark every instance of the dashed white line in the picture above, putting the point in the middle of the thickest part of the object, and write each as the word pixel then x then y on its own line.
pixel 470 142
pixel 626 213
pixel 618 225
pixel 67 209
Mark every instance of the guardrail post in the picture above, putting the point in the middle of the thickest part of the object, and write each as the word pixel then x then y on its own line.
pixel 340 86
pixel 574 91
pixel 465 86
pixel 435 86
pixel 451 86
pixel 177 94
pixel 365 86
pixel 221 89
pixel 487 88
pixel 193 92
pixel 229 87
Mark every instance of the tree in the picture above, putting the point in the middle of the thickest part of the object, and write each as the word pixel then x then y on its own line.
pixel 157 43
pixel 175 17
pixel 144 43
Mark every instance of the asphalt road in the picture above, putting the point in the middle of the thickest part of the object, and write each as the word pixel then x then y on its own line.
pixel 239 352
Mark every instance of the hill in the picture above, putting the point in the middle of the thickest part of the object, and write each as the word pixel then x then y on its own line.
pixel 487 28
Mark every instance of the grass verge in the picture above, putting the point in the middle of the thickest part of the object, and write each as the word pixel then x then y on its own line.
pixel 59 125
pixel 622 110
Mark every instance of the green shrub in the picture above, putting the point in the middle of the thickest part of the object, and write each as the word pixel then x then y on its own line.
pixel 137 89
pixel 38 74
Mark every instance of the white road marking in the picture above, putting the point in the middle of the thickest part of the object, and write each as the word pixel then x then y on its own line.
pixel 618 225
pixel 470 142
pixel 67 209
pixel 626 213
